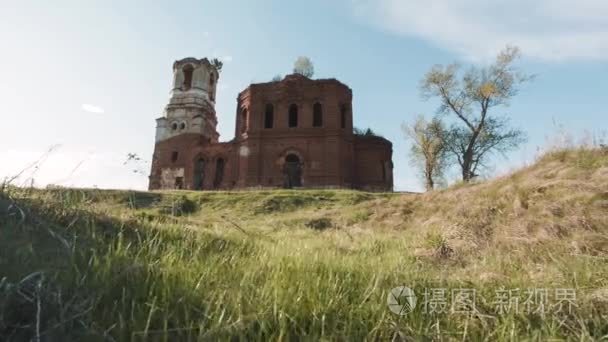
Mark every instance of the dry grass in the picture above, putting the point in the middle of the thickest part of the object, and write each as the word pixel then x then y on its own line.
pixel 116 265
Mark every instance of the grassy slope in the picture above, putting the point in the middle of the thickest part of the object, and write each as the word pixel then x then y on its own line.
pixel 117 265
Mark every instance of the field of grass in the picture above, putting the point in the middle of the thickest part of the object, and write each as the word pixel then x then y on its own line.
pixel 522 257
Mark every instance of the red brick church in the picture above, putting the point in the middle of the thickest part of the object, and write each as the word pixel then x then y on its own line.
pixel 293 133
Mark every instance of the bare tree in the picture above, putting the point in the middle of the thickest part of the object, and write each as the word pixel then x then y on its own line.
pixel 134 161
pixel 470 98
pixel 304 66
pixel 428 151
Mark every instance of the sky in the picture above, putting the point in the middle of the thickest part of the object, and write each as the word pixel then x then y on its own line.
pixel 82 82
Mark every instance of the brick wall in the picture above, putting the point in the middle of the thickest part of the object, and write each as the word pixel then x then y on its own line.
pixel 330 155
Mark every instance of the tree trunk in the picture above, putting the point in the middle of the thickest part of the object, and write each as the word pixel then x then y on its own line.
pixel 467 164
pixel 467 158
pixel 428 175
pixel 430 184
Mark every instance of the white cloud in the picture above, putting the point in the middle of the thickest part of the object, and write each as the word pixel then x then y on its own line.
pixel 477 29
pixel 92 109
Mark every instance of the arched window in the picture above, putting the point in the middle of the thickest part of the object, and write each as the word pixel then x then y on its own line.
pixel 293 115
pixel 343 115
pixel 174 156
pixel 317 115
pixel 269 116
pixel 188 70
pixel 383 171
pixel 174 126
pixel 244 120
pixel 219 173
pixel 211 80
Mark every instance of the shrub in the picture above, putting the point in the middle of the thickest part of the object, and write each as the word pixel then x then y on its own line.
pixel 178 206
pixel 319 224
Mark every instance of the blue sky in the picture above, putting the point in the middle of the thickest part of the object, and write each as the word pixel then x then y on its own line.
pixel 91 76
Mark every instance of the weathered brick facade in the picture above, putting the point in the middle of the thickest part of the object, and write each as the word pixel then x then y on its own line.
pixel 297 132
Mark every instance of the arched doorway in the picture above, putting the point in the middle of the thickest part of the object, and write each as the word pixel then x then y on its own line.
pixel 199 174
pixel 292 171
pixel 219 173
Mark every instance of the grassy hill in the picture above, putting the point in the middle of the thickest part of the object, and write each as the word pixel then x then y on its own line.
pixel 524 256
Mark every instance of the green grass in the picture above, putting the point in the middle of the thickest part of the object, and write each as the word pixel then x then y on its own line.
pixel 79 264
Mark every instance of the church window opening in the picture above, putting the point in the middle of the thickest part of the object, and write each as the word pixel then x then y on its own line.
pixel 343 114
pixel 244 119
pixel 293 115
pixel 317 116
pixel 269 116
pixel 188 71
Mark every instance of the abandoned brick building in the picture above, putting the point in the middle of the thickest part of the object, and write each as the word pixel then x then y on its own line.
pixel 296 132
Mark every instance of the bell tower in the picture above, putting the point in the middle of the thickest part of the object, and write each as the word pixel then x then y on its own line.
pixel 191 107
